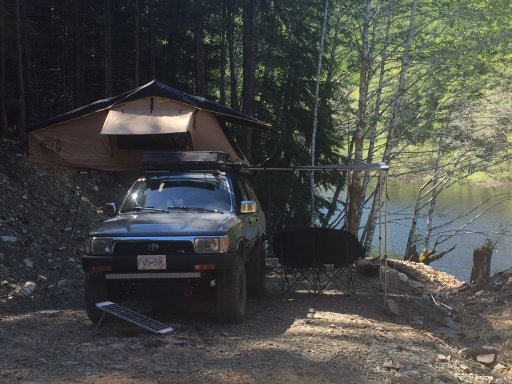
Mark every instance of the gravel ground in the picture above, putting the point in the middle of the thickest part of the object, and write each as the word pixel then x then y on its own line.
pixel 300 338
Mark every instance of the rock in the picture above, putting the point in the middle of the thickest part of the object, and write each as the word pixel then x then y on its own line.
pixel 447 377
pixel 508 272
pixel 41 173
pixel 41 279
pixel 465 368
pixel 402 277
pixel 487 359
pixel 28 289
pixel 96 188
pixel 473 352
pixel 416 285
pixel 392 364
pixel 402 378
pixel 28 263
pixel 9 239
pixel 366 268
pixel 63 283
pixel 392 307
pixel 443 349
pixel 499 368
pixel 443 358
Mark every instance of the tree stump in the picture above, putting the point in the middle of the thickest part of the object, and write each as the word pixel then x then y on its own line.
pixel 481 269
pixel 412 254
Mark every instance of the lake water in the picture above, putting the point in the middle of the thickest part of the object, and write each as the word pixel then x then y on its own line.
pixel 452 205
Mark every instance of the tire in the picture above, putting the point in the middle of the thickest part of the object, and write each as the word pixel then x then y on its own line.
pixel 95 291
pixel 232 293
pixel 256 273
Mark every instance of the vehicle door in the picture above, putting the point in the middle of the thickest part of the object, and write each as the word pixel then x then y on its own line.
pixel 250 221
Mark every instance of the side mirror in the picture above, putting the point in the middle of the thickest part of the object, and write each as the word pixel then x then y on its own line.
pixel 248 206
pixel 109 209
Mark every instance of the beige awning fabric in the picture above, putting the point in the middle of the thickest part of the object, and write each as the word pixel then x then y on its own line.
pixel 146 123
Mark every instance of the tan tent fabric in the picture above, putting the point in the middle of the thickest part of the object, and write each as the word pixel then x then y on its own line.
pixel 207 135
pixel 90 141
pixel 122 123
pixel 78 144
pixel 113 133
pixel 148 116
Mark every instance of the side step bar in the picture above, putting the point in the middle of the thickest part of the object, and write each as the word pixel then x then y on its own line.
pixel 132 317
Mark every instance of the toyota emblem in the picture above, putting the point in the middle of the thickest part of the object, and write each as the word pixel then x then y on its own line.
pixel 153 247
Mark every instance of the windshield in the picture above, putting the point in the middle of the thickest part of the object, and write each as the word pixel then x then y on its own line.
pixel 181 192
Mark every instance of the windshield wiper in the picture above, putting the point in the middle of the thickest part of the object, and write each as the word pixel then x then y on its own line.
pixel 197 209
pixel 150 209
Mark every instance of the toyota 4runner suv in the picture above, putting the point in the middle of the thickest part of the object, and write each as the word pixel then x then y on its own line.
pixel 192 223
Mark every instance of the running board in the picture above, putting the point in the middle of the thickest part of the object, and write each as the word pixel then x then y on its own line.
pixel 132 317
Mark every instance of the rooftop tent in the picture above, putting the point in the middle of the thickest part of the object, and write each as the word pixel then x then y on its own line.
pixel 112 134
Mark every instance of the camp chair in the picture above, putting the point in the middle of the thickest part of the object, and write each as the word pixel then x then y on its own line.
pixel 295 249
pixel 337 250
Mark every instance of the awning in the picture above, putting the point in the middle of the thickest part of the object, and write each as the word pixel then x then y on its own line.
pixel 146 123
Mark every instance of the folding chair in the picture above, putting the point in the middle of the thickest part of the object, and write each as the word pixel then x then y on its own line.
pixel 295 249
pixel 337 250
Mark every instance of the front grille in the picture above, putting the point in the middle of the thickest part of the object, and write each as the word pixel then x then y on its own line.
pixel 164 247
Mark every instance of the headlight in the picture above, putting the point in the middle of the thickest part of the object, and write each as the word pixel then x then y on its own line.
pixel 211 244
pixel 100 245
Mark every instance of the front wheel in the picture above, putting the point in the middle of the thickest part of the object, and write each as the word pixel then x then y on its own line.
pixel 95 291
pixel 232 292
pixel 256 273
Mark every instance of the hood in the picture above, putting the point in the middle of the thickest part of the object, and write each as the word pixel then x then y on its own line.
pixel 165 224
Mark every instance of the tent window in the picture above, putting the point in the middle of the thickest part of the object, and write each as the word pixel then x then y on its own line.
pixel 169 142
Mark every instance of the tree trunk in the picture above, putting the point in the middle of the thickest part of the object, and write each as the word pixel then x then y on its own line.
pixel 249 65
pixel 355 187
pixel 152 39
pixel 433 199
pixel 333 206
pixel 78 98
pixel 4 125
pixel 315 114
pixel 20 125
pixel 333 63
pixel 372 217
pixel 30 101
pixel 415 216
pixel 397 105
pixel 108 49
pixel 136 36
pixel 223 55
pixel 200 53
pixel 230 36
pixel 390 142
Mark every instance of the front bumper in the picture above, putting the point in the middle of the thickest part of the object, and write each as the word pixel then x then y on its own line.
pixel 174 263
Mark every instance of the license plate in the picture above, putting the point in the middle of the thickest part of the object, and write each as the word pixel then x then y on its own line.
pixel 145 262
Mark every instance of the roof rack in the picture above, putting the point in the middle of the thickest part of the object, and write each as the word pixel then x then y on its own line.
pixel 187 161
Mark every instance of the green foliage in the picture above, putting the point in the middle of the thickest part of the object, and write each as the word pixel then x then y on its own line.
pixel 458 66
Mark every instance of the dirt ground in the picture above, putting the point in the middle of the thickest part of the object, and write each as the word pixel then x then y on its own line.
pixel 434 330
pixel 299 338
